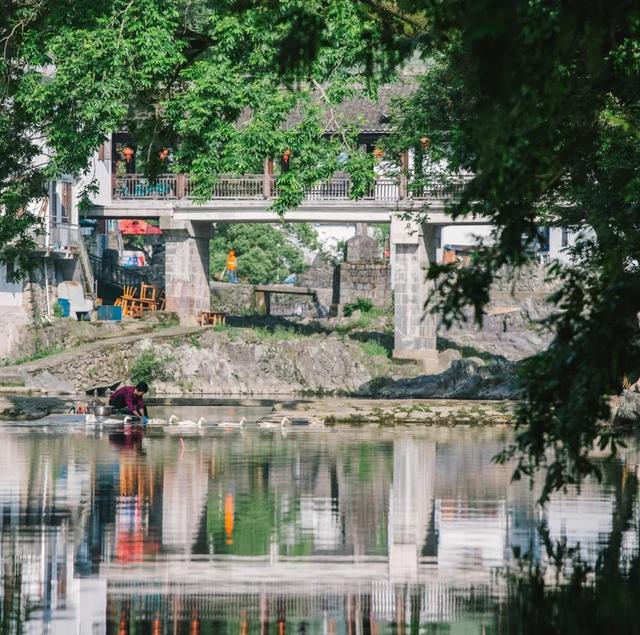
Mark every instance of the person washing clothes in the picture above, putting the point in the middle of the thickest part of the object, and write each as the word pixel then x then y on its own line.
pixel 232 266
pixel 128 400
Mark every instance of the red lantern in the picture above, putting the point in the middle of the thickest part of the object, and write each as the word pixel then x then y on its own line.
pixel 424 142
pixel 378 153
pixel 164 153
pixel 286 155
pixel 128 153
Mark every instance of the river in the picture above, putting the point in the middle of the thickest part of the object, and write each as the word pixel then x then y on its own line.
pixel 350 531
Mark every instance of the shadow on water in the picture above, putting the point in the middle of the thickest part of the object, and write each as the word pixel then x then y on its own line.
pixel 328 532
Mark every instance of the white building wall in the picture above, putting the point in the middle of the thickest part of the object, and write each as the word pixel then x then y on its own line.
pixel 10 292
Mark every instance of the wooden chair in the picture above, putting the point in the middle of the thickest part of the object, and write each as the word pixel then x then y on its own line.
pixel 148 292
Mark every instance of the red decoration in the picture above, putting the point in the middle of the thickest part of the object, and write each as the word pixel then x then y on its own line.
pixel 164 153
pixel 128 153
pixel 424 142
pixel 286 155
pixel 378 153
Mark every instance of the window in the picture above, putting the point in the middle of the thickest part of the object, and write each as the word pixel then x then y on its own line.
pixel 65 202
pixel 564 240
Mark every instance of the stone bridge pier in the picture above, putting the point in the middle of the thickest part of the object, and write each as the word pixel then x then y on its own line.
pixel 413 246
pixel 186 267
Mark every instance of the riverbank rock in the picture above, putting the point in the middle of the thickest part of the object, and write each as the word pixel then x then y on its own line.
pixel 466 379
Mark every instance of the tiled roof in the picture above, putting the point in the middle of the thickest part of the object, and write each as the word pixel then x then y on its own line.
pixel 372 116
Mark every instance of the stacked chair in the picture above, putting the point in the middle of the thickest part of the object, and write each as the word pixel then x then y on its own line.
pixel 135 301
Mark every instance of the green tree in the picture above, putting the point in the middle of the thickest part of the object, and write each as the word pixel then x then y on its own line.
pixel 540 101
pixel 266 253
pixel 198 76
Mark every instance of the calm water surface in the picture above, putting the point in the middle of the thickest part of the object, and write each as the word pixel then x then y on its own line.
pixel 330 531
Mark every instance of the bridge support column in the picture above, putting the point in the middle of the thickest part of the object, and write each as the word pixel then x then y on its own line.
pixel 187 267
pixel 413 247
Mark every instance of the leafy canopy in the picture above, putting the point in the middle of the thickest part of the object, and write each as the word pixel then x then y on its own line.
pixel 540 100
pixel 197 76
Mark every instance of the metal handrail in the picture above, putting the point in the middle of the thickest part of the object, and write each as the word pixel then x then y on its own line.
pixel 115 274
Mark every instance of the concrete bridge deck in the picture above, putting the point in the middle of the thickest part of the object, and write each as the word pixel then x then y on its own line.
pixel 248 211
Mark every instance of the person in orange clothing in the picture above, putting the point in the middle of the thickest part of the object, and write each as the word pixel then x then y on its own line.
pixel 232 266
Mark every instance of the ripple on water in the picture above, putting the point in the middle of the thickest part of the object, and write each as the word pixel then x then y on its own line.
pixel 251 527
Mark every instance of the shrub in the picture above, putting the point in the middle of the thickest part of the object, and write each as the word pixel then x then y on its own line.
pixel 58 311
pixel 364 305
pixel 149 366
pixel 374 349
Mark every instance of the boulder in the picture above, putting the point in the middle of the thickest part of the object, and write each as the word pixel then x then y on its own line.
pixel 466 379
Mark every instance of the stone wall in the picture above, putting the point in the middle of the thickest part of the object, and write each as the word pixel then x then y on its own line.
pixel 85 373
pixel 521 284
pixel 235 299
pixel 364 280
pixel 362 248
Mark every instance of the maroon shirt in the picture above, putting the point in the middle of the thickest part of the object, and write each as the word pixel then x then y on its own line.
pixel 125 397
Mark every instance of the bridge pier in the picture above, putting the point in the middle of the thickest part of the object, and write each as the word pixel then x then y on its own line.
pixel 186 267
pixel 413 246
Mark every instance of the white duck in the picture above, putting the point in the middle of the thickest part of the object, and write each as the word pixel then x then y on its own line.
pixel 186 423
pixel 232 424
pixel 270 423
pixel 157 422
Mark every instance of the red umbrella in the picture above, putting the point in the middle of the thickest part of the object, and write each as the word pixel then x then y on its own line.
pixel 138 228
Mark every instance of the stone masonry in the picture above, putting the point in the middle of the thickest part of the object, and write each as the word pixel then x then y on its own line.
pixel 187 267
pixel 413 247
pixel 365 280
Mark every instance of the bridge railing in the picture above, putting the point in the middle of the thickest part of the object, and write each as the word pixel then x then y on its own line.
pixel 257 187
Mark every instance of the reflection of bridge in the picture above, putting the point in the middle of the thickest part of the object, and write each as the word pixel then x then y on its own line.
pixel 383 600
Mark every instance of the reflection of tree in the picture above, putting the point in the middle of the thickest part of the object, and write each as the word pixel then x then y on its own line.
pixel 13 608
pixel 599 599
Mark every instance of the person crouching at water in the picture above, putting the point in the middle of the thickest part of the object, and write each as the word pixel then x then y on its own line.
pixel 128 400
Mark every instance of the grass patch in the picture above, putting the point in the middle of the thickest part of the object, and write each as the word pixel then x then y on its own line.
pixel 374 349
pixel 361 304
pixel 169 320
pixel 365 321
pixel 39 354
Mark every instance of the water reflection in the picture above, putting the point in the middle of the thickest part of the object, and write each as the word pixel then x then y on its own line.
pixel 325 532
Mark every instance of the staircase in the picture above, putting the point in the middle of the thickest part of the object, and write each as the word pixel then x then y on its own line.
pixel 88 279
pixel 115 275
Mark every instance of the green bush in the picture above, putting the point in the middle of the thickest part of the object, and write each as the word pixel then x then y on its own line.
pixel 364 305
pixel 374 349
pixel 149 366
pixel 58 311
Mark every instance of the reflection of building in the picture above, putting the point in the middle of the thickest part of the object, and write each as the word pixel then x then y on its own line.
pixel 338 530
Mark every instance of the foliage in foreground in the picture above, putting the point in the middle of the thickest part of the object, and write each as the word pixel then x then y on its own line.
pixel 540 100
pixel 200 78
